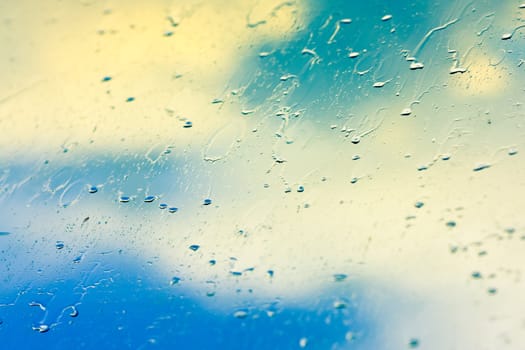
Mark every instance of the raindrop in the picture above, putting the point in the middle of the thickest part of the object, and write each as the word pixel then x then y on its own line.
pixel 346 21
pixel 174 280
pixel 416 65
pixel 419 204
pixel 59 245
pixel 379 84
pixel 74 312
pixel 149 199
pixel 303 342
pixel 300 189
pixel 163 206
pixel 339 304
pixel 106 78
pixel 173 209
pixel 512 151
pixel 240 314
pixel 124 199
pixel 354 180
pixel 456 70
pixel 492 291
pixel 413 343
pixel 212 262
pixel 405 112
pixel 43 328
pixel 356 139
pixel 386 18
pixel 481 166
pixel 130 99
pixel 187 124
pixel 92 189
pixel 356 157
pixel 476 275
pixel 194 247
pixel 451 223
pixel 445 157
pixel 339 277
pixel 207 201
pixel 506 36
pixel 353 54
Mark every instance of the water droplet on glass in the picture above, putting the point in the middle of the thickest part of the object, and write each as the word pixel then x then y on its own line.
pixel 476 275
pixel 106 78
pixel 356 139
pixel 149 199
pixel 339 304
pixel 207 201
pixel 74 312
pixel 303 342
pixel 174 280
pixel 194 247
pixel 506 36
pixel 416 65
pixel 419 204
pixel 457 70
pixel 413 343
pixel 356 157
pixel 92 189
pixel 339 277
pixel 130 99
pixel 353 54
pixel 512 151
pixel 346 21
pixel 354 180
pixel 59 245
pixel 240 314
pixel 481 166
pixel 492 291
pixel 163 206
pixel 300 189
pixel 43 328
pixel 187 124
pixel 386 18
pixel 451 223
pixel 173 209
pixel 405 112
pixel 124 199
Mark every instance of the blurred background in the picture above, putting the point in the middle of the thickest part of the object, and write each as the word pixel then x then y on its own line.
pixel 203 174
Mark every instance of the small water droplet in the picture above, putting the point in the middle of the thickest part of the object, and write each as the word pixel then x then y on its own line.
pixel 405 112
pixel 124 199
pixel 456 70
pixel 356 157
pixel 386 18
pixel 413 343
pixel 149 199
pixel 481 166
pixel 451 223
pixel 445 157
pixel 240 314
pixel 476 275
pixel 174 280
pixel 339 304
pixel 43 328
pixel 354 180
pixel 270 273
pixel 346 20
pixel 106 78
pixel 353 54
pixel 130 99
pixel 379 84
pixel 303 342
pixel 300 189
pixel 92 189
pixel 194 247
pixel 355 140
pixel 187 124
pixel 512 151
pixel 419 204
pixel 207 201
pixel 59 245
pixel 74 312
pixel 339 277
pixel 163 206
pixel 168 33
pixel 492 291
pixel 173 209
pixel 506 36
pixel 416 66
pixel 212 262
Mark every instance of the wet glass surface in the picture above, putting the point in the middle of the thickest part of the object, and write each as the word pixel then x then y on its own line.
pixel 262 174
